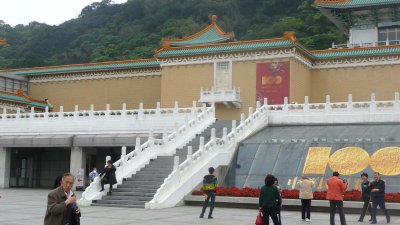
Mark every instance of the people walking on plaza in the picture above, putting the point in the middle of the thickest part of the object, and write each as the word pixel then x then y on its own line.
pixel 305 186
pixel 93 174
pixel 336 189
pixel 276 183
pixel 377 187
pixel 210 184
pixel 108 176
pixel 366 197
pixel 61 204
pixel 270 201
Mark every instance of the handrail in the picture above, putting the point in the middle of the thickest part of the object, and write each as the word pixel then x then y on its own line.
pixel 238 133
pixel 130 163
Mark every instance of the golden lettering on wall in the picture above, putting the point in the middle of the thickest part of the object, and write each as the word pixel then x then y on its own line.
pixel 349 160
pixel 352 160
pixel 386 161
pixel 317 159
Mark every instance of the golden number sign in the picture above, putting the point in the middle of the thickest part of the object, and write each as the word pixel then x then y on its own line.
pixel 352 160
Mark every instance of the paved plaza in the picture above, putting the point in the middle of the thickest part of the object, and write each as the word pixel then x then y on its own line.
pixel 27 206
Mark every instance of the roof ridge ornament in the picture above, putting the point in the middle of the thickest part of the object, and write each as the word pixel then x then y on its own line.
pixel 289 35
pixel 214 19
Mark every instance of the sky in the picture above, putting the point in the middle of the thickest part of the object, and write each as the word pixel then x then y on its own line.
pixel 52 12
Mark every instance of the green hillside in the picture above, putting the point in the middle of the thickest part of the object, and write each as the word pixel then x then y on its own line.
pixel 105 31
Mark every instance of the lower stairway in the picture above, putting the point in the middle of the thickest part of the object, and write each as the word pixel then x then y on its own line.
pixel 135 191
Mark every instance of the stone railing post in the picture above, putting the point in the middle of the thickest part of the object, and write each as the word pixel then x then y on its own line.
pixel 176 109
pixel 176 162
pixel 123 113
pixel 46 112
pixel 258 105
pixel 250 112
pixel 158 109
pixel 138 146
pixel 242 119
pixel 5 114
pixel 194 111
pixel 140 113
pixel 91 111
pixel 213 136
pixel 107 110
pixel 306 107
pixel 224 134
pixel 190 153
pixel 32 113
pixel 396 101
pixel 285 104
pixel 76 111
pixel 61 112
pixel 18 114
pixel 328 107
pixel 372 104
pixel 201 145
pixel 234 127
pixel 349 102
pixel 123 159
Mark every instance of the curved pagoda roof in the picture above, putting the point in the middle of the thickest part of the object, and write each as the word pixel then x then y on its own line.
pixel 212 34
pixel 348 4
pixel 113 65
pixel 21 98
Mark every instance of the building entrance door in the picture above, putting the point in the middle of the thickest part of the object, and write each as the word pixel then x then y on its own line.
pixel 19 173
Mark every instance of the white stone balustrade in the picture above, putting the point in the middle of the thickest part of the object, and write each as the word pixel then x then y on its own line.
pixel 218 151
pixel 227 97
pixel 132 162
pixel 336 112
pixel 96 122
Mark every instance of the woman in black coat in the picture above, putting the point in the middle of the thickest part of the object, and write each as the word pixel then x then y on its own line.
pixel 109 176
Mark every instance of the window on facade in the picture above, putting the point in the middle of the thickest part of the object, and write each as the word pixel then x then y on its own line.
pixel 389 34
pixel 9 85
pixel 2 84
pixel 223 76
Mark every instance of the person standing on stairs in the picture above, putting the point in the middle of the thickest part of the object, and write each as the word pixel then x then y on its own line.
pixel 108 176
pixel 210 184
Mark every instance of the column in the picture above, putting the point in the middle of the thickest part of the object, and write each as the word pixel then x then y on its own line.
pixel 5 164
pixel 78 161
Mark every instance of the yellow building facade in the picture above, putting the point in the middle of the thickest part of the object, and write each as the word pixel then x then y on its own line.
pixel 212 67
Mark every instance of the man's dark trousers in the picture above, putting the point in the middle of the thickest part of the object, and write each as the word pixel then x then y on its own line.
pixel 337 204
pixel 381 202
pixel 366 206
pixel 210 196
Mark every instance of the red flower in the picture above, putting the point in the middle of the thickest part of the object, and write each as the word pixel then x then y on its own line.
pixel 352 195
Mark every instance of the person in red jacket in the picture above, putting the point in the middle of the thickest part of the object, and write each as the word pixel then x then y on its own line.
pixel 336 189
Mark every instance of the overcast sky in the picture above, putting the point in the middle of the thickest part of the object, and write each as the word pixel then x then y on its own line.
pixel 52 12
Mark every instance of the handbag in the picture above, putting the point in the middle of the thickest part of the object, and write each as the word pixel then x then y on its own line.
pixel 260 219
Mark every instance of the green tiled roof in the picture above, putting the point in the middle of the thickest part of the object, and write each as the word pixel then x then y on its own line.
pixel 246 46
pixel 209 37
pixel 20 99
pixel 358 4
pixel 14 98
pixel 134 64
pixel 355 53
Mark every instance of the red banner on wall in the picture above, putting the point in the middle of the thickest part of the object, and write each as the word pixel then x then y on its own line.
pixel 273 82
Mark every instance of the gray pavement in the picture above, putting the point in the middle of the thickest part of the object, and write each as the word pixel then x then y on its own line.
pixel 28 206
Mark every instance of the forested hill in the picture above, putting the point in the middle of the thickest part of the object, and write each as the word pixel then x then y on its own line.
pixel 105 31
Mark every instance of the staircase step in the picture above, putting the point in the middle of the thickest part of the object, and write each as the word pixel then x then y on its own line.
pixel 143 190
pixel 119 206
pixel 132 193
pixel 121 202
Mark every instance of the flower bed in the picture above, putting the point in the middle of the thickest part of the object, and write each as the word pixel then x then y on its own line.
pixel 353 195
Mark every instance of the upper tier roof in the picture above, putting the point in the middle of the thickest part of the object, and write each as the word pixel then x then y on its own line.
pixel 344 4
pixel 128 64
pixel 21 98
pixel 210 35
